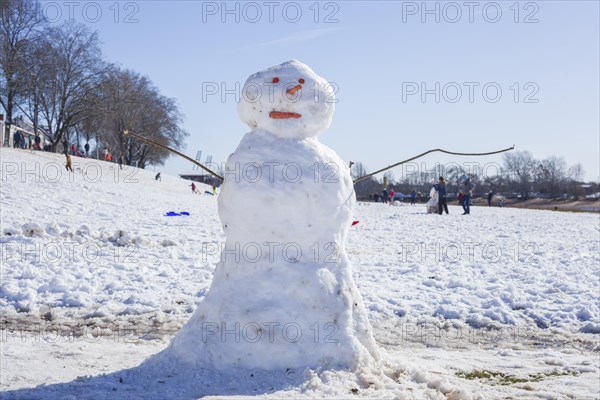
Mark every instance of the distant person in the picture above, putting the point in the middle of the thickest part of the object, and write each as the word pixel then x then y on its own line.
pixel 73 152
pixel 68 165
pixel 460 197
pixel 17 139
pixel 87 149
pixel 157 177
pixel 37 141
pixel 440 187
pixel 490 197
pixel 193 185
pixel 214 189
pixel 392 196
pixel 384 196
pixel 413 196
pixel 105 153
pixel 120 160
pixel 468 191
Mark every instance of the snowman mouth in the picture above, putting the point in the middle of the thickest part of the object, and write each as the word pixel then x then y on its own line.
pixel 283 115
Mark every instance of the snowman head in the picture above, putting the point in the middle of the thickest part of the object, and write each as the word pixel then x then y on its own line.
pixel 288 100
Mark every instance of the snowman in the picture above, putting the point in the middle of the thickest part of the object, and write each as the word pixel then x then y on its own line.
pixel 432 204
pixel 282 295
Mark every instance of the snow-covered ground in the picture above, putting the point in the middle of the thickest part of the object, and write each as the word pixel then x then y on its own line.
pixel 503 303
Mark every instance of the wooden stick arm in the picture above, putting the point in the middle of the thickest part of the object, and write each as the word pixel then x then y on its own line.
pixel 431 151
pixel 162 146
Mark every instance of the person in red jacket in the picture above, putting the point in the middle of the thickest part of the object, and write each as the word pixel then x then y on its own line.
pixel 193 185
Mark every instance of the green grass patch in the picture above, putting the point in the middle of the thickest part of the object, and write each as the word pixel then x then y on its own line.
pixel 500 378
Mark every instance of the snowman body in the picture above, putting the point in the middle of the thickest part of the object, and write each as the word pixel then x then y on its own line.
pixel 282 295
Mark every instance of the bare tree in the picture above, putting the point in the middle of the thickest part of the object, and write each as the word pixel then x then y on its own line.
pixel 551 176
pixel 33 73
pixel 129 101
pixel 367 187
pixel 358 170
pixel 520 168
pixel 576 172
pixel 428 177
pixel 389 176
pixel 19 20
pixel 575 177
pixel 74 67
pixel 453 177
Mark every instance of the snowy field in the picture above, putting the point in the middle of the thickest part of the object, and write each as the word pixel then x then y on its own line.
pixel 500 304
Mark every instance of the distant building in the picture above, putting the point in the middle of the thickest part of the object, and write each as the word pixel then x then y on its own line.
pixel 26 129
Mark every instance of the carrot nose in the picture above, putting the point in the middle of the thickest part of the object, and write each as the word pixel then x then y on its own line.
pixel 293 90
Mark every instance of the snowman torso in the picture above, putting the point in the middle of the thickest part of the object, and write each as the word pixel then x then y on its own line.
pixel 285 191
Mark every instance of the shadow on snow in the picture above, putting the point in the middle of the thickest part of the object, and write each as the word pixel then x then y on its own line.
pixel 148 381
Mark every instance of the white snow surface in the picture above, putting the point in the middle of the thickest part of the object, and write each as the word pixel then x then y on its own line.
pixel 95 279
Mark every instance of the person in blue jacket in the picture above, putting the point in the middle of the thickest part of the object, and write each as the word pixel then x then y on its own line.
pixel 441 189
pixel 468 190
pixel 17 139
pixel 384 196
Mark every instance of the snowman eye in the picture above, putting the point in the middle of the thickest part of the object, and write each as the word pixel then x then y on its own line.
pixel 301 80
pixel 276 80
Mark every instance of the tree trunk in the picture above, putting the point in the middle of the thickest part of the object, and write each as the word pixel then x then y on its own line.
pixel 9 113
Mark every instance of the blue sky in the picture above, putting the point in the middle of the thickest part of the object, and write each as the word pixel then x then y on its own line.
pixel 543 56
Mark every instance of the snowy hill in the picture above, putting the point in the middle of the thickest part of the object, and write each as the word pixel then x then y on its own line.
pixel 72 242
pixel 85 254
